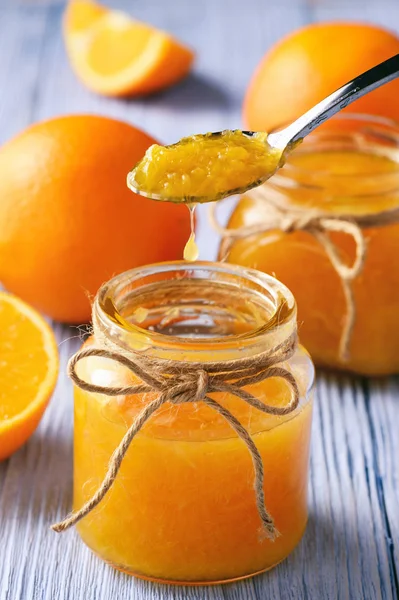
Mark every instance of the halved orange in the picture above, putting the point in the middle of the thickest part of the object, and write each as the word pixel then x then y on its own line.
pixel 117 56
pixel 28 371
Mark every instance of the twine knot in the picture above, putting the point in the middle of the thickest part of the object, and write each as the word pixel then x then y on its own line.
pixel 290 224
pixel 183 382
pixel 192 387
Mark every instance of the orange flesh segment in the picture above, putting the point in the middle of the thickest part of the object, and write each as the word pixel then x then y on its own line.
pixel 27 358
pixel 115 55
pixel 28 371
pixel 115 48
pixel 84 15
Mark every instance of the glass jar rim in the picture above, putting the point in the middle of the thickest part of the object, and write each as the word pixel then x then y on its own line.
pixel 279 326
pixel 391 133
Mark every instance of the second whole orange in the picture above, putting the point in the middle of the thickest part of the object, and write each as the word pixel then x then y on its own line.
pixel 68 222
pixel 311 63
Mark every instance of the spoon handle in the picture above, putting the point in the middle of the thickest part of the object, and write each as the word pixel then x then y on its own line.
pixel 348 93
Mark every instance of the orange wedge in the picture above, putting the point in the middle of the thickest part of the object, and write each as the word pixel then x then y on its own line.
pixel 117 56
pixel 28 371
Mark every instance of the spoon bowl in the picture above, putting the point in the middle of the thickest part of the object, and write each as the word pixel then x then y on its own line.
pixel 242 159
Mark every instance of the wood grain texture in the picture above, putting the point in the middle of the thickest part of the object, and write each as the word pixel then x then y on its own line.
pixel 351 547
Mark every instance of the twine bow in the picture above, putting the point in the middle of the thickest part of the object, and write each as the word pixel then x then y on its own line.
pixel 179 383
pixel 289 218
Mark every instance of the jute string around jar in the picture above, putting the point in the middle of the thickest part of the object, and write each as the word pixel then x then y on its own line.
pixel 288 218
pixel 188 382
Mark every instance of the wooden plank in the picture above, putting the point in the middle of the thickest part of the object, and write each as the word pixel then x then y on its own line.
pixel 382 413
pixel 350 549
pixel 21 33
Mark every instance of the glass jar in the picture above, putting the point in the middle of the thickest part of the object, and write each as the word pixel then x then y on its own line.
pixel 350 166
pixel 182 508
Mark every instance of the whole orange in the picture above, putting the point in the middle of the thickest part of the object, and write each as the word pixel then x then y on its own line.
pixel 311 63
pixel 68 222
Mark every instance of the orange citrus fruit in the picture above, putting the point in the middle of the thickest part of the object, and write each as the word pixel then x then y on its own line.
pixel 313 62
pixel 28 371
pixel 68 222
pixel 117 56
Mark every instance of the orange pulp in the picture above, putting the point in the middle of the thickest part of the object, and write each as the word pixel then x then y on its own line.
pixel 204 168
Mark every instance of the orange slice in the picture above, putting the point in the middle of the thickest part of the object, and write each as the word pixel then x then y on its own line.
pixel 118 56
pixel 28 371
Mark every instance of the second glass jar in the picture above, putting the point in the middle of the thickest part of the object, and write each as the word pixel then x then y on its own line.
pixel 350 166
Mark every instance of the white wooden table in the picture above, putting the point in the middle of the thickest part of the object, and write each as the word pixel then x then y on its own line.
pixel 351 547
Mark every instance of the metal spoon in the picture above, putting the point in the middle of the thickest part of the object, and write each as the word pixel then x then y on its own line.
pixel 286 139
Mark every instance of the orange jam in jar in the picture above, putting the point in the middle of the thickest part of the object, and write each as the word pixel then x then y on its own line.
pixel 349 168
pixel 182 508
